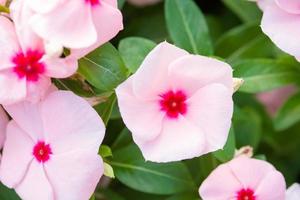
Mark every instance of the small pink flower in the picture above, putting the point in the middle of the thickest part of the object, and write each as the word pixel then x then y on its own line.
pixel 177 105
pixel 2 2
pixel 244 178
pixel 274 99
pixel 293 192
pixel 143 2
pixel 51 150
pixel 281 19
pixel 81 25
pixel 3 123
pixel 25 68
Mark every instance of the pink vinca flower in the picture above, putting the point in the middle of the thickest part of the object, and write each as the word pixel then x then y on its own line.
pixel 83 25
pixel 25 68
pixel 51 149
pixel 274 99
pixel 3 123
pixel 293 192
pixel 244 178
pixel 280 21
pixel 143 2
pixel 177 105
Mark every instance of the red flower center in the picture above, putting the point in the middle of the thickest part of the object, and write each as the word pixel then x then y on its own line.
pixel 246 194
pixel 173 103
pixel 93 2
pixel 29 65
pixel 42 152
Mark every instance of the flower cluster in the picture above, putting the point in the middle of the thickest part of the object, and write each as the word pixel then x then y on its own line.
pixel 50 145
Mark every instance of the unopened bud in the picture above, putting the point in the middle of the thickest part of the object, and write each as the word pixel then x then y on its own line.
pixel 237 83
pixel 246 151
pixel 53 49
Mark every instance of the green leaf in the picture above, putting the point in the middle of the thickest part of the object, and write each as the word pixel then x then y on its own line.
pixel 265 74
pixel 105 109
pixel 228 151
pixel 247 11
pixel 134 50
pixel 244 41
pixel 121 3
pixel 131 169
pixel 248 127
pixel 289 114
pixel 7 194
pixel 187 26
pixel 105 151
pixel 103 68
pixel 187 196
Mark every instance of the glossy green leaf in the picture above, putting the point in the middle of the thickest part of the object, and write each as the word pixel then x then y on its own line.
pixel 134 50
pixel 187 26
pixel 244 41
pixel 248 127
pixel 105 109
pixel 131 169
pixel 247 11
pixel 265 74
pixel 188 196
pixel 7 194
pixel 289 114
pixel 228 151
pixel 103 68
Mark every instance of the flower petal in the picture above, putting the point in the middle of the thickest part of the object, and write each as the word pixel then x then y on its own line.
pixel 271 187
pixel 211 109
pixel 214 188
pixel 27 116
pixel 44 6
pixel 3 123
pixel 70 33
pixel 282 28
pixel 35 184
pixel 179 139
pixel 151 79
pixel 250 172
pixel 77 126
pixel 17 155
pixel 75 175
pixel 105 30
pixel 193 72
pixel 8 43
pixel 21 13
pixel 12 88
pixel 291 6
pixel 293 192
pixel 60 68
pixel 36 91
pixel 137 113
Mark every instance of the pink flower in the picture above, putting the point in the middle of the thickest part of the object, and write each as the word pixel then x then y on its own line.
pixel 274 99
pixel 51 150
pixel 25 68
pixel 76 24
pixel 281 19
pixel 2 2
pixel 293 192
pixel 244 178
pixel 3 123
pixel 177 105
pixel 143 2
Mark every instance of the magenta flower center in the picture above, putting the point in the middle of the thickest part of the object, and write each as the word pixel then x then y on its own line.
pixel 173 103
pixel 29 65
pixel 42 152
pixel 245 194
pixel 93 2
